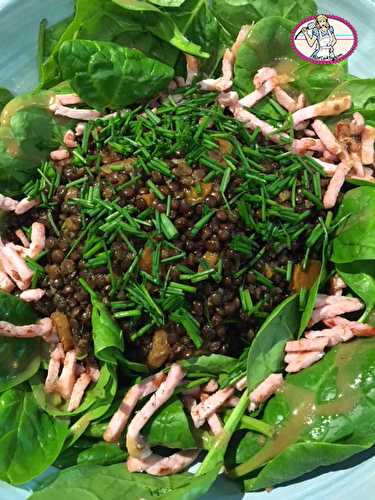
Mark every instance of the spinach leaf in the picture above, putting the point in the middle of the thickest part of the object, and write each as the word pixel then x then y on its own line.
pixel 162 25
pixel 48 38
pixel 197 22
pixel 167 3
pixel 170 427
pixel 355 237
pixel 68 457
pixel 362 91
pixel 30 439
pixel 322 415
pixel 106 75
pixel 97 392
pixel 93 482
pixel 5 96
pixel 266 351
pixel 235 13
pixel 360 277
pixel 317 81
pixel 20 358
pixel 214 364
pixel 268 40
pixel 102 454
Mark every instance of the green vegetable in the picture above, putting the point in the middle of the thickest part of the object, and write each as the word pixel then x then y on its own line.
pixel 107 335
pixel 30 439
pixel 354 240
pixel 267 350
pixel 316 81
pixel 88 482
pixel 235 13
pixel 5 96
pixel 162 25
pixel 362 91
pixel 170 427
pixel 338 387
pixel 101 454
pixel 214 364
pixel 48 38
pixel 106 75
pixel 20 358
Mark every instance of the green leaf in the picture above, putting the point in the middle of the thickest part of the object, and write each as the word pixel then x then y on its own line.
pixel 95 482
pixel 316 81
pixel 360 277
pixel 162 25
pixel 30 439
pixel 106 75
pixel 266 351
pixel 102 454
pixel 362 91
pixel 214 364
pixel 235 13
pixel 322 415
pixel 20 358
pixel 355 237
pixel 5 96
pixel 170 427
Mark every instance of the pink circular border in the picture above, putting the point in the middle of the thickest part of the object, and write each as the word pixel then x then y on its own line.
pixel 309 59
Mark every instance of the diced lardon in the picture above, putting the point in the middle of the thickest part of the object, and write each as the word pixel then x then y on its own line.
pixel 368 139
pixel 119 420
pixel 331 107
pixel 25 205
pixel 265 390
pixel 38 239
pixel 334 305
pixel 7 204
pixel 32 295
pixel 192 68
pixel 318 344
pixel 297 361
pixel 163 466
pixel 327 137
pixel 78 391
pixel 211 405
pixel 358 329
pixel 74 113
pixel 64 386
pixel 40 329
pixel 357 124
pixel 336 183
pixel 135 443
pixel 56 359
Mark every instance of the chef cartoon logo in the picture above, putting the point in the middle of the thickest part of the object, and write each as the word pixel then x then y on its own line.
pixel 324 39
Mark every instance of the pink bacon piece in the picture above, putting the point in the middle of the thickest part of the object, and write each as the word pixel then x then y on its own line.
pixel 15 267
pixel 119 420
pixel 367 147
pixel 252 122
pixel 6 284
pixel 75 113
pixel 332 107
pixel 69 139
pixel 59 154
pixel 8 204
pixel 42 328
pixel 135 443
pixel 326 137
pixel 78 391
pixel 341 306
pixel 22 237
pixel 297 361
pixel 328 168
pixel 258 94
pixel 357 124
pixel 211 405
pixel 68 99
pixel 32 295
pixel 9 271
pixel 241 384
pixel 334 335
pixel 191 68
pixel 318 344
pixel 358 329
pixel 336 183
pixel 262 75
pixel 265 390
pixel 300 146
pixel 211 386
pixel 25 205
pixel 241 38
pixel 215 424
pixel 285 100
pixel 65 384
pixel 337 285
pixel 358 168
pixel 80 128
pixel 38 239
pixel 56 359
pixel 156 465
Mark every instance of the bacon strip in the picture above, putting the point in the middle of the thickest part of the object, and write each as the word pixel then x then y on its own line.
pixel 262 75
pixel 74 113
pixel 25 205
pixel 285 100
pixel 318 344
pixel 258 94
pixel 337 285
pixel 59 154
pixel 211 386
pixel 241 384
pixel 32 295
pixel 15 267
pixel 346 305
pixel 332 107
pixel 135 443
pixel 335 184
pixel 69 139
pixel 42 328
pixel 327 137
pixel 241 38
pixel 265 390
pixel 297 361
pixel 357 124
pixel 368 139
pixel 9 270
pixel 38 239
pixel 211 405
pixel 65 384
pixel 57 357
pixel 119 420
pixel 6 284
pixel 215 424
pixel 358 329
pixel 301 146
pixel 22 237
pixel 78 391
pixel 159 466
pixel 252 122
pixel 68 99
pixel 7 204
pixel 334 335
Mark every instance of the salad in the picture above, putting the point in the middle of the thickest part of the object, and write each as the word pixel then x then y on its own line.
pixel 186 254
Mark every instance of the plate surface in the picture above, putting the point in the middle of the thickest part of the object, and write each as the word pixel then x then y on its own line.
pixel 19 21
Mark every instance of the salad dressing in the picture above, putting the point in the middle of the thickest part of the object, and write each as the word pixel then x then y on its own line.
pixel 43 100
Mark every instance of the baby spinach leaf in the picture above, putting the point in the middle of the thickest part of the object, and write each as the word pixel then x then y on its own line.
pixel 106 75
pixel 317 81
pixel 266 351
pixel 94 482
pixel 20 358
pixel 214 364
pixel 322 415
pixel 48 38
pixel 170 427
pixel 162 25
pixel 30 439
pixel 235 13
pixel 102 454
pixel 5 96
pixel 355 237
pixel 268 40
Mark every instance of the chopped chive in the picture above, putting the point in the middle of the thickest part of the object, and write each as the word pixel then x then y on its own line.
pixel 132 313
pixel 168 227
pixel 246 302
pixel 225 180
pixel 153 188
pixel 142 331
pixel 189 323
pixel 183 287
pixel 289 271
pixel 77 182
pixel 201 223
pixel 174 258
pixel 262 279
pixel 169 202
